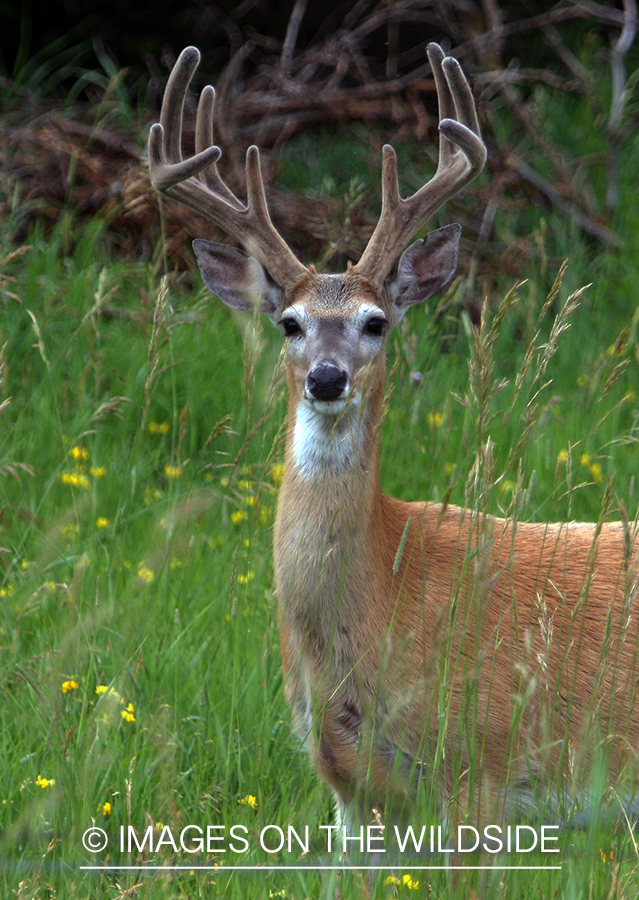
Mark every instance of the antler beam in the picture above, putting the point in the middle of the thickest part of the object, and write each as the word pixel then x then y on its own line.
pixel 197 182
pixel 462 154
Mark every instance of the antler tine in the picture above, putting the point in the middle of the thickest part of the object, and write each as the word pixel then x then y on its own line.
pixel 462 155
pixel 205 191
pixel 204 139
pixel 445 101
pixel 173 101
pixel 462 130
pixel 456 107
pixel 167 168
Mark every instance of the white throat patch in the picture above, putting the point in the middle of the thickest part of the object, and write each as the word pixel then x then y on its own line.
pixel 327 444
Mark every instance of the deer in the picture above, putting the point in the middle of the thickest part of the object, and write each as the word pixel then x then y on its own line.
pixel 428 650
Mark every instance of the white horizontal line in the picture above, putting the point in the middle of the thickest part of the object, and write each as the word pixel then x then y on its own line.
pixel 267 868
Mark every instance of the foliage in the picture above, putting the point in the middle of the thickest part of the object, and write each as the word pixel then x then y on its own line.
pixel 140 459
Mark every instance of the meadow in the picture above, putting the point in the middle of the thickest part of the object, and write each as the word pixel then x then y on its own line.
pixel 140 453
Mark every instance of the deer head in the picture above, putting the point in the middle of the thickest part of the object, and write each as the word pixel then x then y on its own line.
pixel 335 325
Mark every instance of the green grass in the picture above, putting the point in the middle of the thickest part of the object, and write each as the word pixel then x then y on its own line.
pixel 140 440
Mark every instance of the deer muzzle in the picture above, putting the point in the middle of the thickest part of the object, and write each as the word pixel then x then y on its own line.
pixel 326 382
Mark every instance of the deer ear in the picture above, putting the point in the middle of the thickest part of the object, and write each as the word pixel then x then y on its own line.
pixel 237 279
pixel 425 268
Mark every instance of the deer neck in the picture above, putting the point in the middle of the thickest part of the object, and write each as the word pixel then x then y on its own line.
pixel 326 510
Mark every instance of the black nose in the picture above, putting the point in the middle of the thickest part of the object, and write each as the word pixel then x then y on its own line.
pixel 326 382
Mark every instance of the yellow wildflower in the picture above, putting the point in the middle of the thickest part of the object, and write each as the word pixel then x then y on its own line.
pixel 277 474
pixel 145 574
pixel 75 479
pixel 245 579
pixel 44 782
pixel 70 685
pixel 159 427
pixel 128 713
pixel 249 800
pixel 97 471
pixel 102 522
pixel 593 467
pixel 596 471
pixel 106 809
pixel 238 516
pixel 435 419
pixel 79 454
pixel 172 471
pixel 6 590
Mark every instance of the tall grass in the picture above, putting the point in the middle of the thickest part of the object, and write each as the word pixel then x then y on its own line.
pixel 140 455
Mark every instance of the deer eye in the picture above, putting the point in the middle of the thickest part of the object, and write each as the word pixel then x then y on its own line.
pixel 291 326
pixel 375 325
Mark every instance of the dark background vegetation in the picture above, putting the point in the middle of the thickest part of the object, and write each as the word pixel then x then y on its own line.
pixel 80 83
pixel 132 31
pixel 137 35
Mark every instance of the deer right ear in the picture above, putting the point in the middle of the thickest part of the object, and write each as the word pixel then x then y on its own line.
pixel 237 279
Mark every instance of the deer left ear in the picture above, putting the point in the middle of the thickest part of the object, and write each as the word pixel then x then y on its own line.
pixel 425 268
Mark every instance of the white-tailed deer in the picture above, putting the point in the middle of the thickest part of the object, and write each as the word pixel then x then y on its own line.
pixel 491 663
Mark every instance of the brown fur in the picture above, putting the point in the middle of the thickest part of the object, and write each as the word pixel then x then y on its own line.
pixel 493 621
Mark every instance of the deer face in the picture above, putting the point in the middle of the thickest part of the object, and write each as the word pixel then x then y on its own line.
pixel 334 328
pixel 334 325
